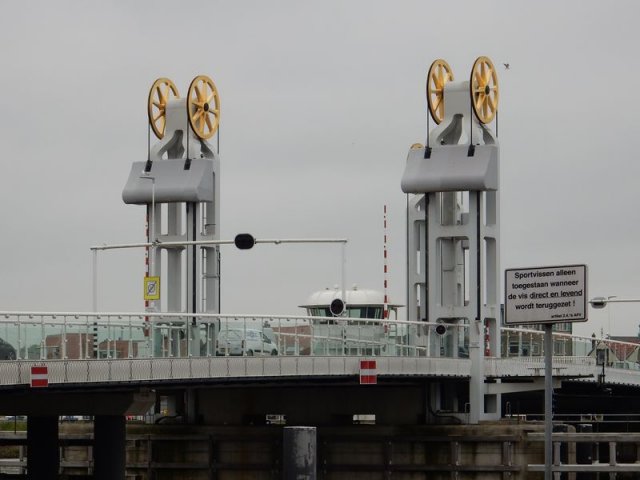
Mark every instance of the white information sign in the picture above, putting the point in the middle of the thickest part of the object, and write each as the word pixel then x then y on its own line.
pixel 545 295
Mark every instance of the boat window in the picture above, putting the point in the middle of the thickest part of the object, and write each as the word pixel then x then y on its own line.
pixel 355 311
pixel 320 312
pixel 365 311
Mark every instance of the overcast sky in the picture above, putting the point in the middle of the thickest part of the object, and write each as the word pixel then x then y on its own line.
pixel 320 103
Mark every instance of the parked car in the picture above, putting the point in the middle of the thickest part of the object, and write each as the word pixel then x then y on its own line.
pixel 71 418
pixel 243 341
pixel 18 418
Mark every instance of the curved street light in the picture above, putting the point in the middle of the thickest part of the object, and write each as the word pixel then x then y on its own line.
pixel 601 302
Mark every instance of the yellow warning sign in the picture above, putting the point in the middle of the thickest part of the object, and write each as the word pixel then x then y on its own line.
pixel 152 288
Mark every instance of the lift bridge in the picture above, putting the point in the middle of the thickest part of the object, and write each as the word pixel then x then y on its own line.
pixel 450 359
pixel 314 378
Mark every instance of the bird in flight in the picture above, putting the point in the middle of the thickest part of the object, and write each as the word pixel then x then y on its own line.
pixel 506 65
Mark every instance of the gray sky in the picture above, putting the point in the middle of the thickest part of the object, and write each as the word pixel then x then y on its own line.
pixel 320 102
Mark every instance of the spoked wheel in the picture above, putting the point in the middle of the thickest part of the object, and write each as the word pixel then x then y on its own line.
pixel 485 92
pixel 161 91
pixel 439 74
pixel 203 107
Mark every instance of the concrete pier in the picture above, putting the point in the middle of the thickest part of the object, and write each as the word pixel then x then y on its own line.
pixel 109 451
pixel 43 459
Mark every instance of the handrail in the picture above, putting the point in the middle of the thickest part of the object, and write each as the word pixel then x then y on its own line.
pixel 141 315
pixel 569 335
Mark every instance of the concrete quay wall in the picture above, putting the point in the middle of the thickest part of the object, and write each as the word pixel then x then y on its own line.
pixel 189 452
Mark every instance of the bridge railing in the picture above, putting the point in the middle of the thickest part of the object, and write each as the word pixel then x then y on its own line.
pixel 528 343
pixel 85 335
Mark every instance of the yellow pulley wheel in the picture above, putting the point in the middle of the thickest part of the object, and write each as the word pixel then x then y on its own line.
pixel 484 89
pixel 161 91
pixel 439 74
pixel 203 107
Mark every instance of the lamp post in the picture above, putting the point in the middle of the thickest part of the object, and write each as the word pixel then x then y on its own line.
pixel 602 355
pixel 609 298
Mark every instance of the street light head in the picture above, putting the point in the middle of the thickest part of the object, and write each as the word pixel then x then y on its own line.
pixel 598 302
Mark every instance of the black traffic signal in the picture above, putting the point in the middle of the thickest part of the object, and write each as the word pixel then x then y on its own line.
pixel 441 329
pixel 337 307
pixel 244 241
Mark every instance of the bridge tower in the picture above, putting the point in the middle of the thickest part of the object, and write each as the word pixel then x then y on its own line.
pixel 179 184
pixel 453 231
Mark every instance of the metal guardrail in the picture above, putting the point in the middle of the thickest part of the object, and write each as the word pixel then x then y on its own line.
pixel 612 440
pixel 534 367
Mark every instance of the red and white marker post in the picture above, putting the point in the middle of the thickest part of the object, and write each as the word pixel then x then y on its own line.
pixel 368 372
pixel 39 376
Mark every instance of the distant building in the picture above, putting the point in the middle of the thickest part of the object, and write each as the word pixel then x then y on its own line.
pixel 293 340
pixel 77 345
pixel 117 349
pixel 80 345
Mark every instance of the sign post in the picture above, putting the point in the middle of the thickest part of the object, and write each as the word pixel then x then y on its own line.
pixel 546 295
pixel 548 400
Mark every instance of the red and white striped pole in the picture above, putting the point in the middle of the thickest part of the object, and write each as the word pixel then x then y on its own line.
pixel 487 340
pixel 385 311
